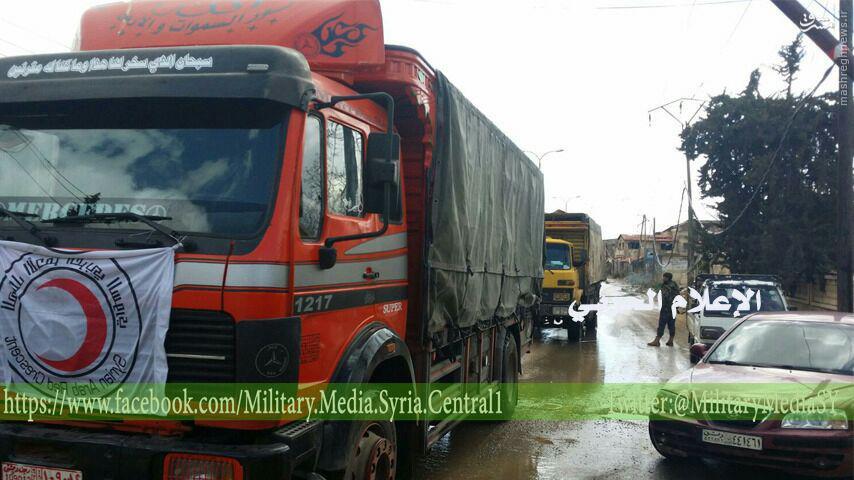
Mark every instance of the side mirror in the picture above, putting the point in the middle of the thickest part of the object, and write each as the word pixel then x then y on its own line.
pixel 582 259
pixel 328 257
pixel 380 171
pixel 698 350
pixel 382 176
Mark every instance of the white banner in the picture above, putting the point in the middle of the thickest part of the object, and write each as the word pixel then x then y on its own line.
pixel 97 320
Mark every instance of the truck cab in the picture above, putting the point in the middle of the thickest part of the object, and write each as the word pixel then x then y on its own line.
pixel 560 288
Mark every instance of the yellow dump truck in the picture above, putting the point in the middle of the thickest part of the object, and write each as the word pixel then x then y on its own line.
pixel 574 271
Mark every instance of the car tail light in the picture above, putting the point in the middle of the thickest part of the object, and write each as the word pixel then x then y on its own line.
pixel 181 466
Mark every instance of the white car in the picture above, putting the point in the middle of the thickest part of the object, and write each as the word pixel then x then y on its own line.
pixel 707 325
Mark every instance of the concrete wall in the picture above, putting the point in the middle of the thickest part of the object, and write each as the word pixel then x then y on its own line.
pixel 813 297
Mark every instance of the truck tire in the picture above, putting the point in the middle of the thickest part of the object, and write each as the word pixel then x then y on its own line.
pixel 509 376
pixel 537 322
pixel 574 330
pixel 372 451
pixel 591 321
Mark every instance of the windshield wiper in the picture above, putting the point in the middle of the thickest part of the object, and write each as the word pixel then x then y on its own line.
pixel 730 362
pixel 21 219
pixel 150 220
pixel 804 368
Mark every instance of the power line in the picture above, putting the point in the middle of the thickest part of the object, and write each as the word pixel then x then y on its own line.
pixel 16 45
pixel 738 23
pixel 51 168
pixel 32 177
pixel 34 33
pixel 775 155
pixel 821 4
pixel 675 235
pixel 670 5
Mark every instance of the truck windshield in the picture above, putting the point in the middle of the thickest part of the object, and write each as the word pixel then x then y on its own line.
pixel 557 256
pixel 211 167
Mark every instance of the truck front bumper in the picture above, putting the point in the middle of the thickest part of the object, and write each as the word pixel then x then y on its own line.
pixel 120 455
pixel 553 315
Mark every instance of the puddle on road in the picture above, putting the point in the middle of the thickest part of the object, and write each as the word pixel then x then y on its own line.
pixel 578 449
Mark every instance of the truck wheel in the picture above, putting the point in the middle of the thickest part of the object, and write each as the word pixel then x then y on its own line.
pixel 372 452
pixel 591 321
pixel 509 376
pixel 537 322
pixel 574 330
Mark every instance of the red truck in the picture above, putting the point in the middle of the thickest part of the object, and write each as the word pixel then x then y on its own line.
pixel 346 216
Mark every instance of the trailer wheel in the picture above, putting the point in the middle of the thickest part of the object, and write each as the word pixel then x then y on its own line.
pixel 372 452
pixel 509 375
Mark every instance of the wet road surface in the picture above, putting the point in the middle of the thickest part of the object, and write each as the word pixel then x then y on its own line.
pixel 590 449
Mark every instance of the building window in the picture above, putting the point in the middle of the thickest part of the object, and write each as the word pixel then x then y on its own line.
pixel 344 170
pixel 311 197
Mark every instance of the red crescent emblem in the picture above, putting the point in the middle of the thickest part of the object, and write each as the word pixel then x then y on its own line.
pixel 96 326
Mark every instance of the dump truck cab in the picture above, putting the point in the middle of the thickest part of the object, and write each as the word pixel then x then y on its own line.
pixel 560 288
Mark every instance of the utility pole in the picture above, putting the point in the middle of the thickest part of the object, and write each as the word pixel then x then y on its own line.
pixel 689 274
pixel 840 53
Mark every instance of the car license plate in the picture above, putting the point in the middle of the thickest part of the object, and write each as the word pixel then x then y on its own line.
pixel 560 310
pixel 561 297
pixel 21 471
pixel 732 439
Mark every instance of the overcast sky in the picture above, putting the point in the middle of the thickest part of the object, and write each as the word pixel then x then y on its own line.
pixel 574 74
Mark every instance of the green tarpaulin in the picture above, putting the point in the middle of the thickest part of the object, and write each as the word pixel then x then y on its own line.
pixel 485 258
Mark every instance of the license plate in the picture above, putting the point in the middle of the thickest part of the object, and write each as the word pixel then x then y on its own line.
pixel 21 471
pixel 561 297
pixel 732 439
pixel 560 310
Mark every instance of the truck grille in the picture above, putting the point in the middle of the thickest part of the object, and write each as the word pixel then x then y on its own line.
pixel 200 347
pixel 557 295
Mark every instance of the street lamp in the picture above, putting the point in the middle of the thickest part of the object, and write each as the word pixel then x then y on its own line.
pixel 566 201
pixel 541 157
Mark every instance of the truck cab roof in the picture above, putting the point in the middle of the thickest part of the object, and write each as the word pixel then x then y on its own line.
pixel 229 72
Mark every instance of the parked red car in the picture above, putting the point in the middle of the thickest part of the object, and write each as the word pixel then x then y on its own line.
pixel 793 350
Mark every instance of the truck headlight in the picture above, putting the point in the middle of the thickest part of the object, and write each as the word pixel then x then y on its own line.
pixel 834 419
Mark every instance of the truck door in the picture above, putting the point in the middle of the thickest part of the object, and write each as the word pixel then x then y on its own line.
pixel 335 303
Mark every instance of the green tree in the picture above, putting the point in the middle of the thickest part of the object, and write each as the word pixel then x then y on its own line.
pixel 788 229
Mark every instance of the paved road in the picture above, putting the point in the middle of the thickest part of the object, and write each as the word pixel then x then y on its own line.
pixel 603 449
